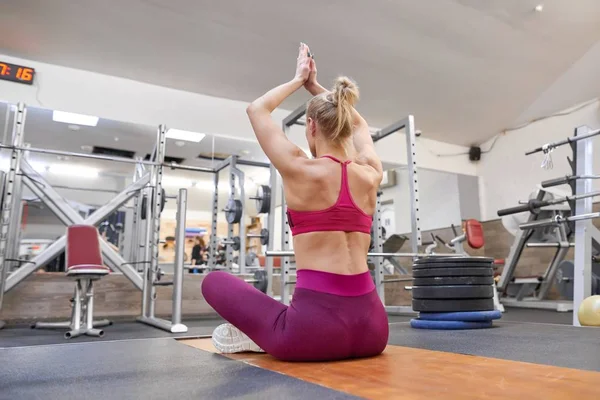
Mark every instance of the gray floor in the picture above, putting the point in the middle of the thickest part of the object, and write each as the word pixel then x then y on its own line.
pixel 23 335
pixel 549 344
pixel 141 369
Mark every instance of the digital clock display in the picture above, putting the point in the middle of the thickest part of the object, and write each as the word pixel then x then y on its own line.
pixel 16 73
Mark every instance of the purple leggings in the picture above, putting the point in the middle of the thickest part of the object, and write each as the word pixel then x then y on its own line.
pixel 331 316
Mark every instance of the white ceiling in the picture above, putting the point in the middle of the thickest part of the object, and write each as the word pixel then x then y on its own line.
pixel 465 68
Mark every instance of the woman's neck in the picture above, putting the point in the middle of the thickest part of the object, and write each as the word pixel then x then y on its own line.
pixel 338 151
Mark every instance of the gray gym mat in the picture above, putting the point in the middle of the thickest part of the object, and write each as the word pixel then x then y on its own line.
pixel 558 345
pixel 142 369
pixel 540 316
pixel 23 335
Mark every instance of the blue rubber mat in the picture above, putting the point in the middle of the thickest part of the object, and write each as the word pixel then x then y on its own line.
pixel 449 325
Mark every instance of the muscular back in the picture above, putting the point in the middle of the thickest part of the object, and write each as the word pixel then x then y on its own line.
pixel 314 186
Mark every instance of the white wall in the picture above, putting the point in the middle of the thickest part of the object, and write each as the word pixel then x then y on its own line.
pixel 507 175
pixel 110 97
pixel 438 198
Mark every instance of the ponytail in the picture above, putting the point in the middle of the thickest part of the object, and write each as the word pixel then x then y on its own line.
pixel 333 111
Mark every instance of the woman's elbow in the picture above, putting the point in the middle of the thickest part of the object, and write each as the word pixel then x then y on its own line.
pixel 252 109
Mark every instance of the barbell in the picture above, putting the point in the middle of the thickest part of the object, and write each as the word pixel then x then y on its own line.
pixel 288 253
pixel 233 209
pixel 235 243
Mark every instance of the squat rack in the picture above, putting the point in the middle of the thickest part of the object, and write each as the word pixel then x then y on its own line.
pixel 147 182
pixel 586 235
pixel 408 124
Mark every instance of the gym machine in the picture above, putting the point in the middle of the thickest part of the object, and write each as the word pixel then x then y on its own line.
pixel 235 215
pixel 408 124
pixel 567 223
pixel 148 202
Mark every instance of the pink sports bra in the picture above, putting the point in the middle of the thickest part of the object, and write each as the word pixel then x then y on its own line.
pixel 344 215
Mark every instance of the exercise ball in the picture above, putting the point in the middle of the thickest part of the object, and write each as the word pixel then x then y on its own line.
pixel 589 311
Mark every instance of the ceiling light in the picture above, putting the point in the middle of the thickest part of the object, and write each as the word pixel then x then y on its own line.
pixel 116 139
pixel 73 170
pixel 179 143
pixel 178 134
pixel 77 119
pixel 539 8
pixel 74 127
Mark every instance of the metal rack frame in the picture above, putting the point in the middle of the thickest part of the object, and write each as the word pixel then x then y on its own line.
pixel 585 235
pixel 408 124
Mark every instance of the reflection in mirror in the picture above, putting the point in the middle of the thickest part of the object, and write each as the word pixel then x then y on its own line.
pixel 88 184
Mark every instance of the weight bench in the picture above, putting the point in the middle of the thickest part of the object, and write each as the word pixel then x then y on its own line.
pixel 84 265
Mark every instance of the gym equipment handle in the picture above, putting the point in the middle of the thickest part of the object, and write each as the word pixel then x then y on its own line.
pixel 557 181
pixel 531 206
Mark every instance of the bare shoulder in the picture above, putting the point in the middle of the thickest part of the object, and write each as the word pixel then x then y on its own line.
pixel 370 168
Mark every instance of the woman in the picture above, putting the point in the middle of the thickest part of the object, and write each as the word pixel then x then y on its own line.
pixel 197 254
pixel 335 312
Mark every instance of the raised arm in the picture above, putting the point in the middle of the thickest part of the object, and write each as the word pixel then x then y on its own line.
pixel 281 151
pixel 363 143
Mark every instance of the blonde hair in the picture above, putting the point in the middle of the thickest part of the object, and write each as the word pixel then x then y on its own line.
pixel 333 111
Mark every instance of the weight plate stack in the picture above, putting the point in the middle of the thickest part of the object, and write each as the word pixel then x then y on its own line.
pixel 453 284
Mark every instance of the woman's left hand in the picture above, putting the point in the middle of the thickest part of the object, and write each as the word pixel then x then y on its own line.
pixel 303 64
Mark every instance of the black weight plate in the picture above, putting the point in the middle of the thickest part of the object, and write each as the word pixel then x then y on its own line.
pixel 453 265
pixel 432 260
pixel 145 204
pixel 264 236
pixel 452 305
pixel 439 272
pixel 233 211
pixel 263 199
pixel 260 276
pixel 454 280
pixel 453 292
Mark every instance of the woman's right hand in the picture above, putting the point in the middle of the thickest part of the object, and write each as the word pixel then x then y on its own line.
pixel 311 83
pixel 303 64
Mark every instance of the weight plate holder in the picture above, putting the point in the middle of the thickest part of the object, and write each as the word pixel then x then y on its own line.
pixel 455 272
pixel 454 280
pixel 233 211
pixel 453 292
pixel 453 305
